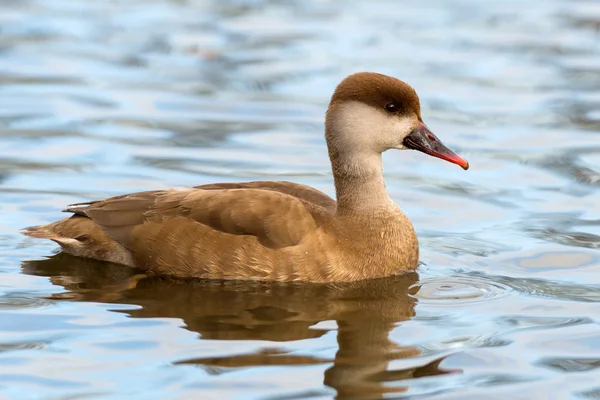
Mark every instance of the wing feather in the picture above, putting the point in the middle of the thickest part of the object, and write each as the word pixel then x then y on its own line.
pixel 276 219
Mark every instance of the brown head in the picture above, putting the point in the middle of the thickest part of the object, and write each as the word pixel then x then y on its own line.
pixel 370 113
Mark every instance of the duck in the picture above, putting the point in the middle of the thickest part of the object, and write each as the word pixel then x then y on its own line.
pixel 275 230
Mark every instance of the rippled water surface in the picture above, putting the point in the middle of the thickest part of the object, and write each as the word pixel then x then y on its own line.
pixel 108 97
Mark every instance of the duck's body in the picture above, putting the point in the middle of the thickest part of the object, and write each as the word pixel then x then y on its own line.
pixel 256 230
pixel 274 230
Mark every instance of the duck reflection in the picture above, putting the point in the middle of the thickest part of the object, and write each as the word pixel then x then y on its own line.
pixel 365 313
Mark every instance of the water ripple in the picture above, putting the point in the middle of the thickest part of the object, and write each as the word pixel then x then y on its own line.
pixel 459 343
pixel 571 167
pixel 552 289
pixel 16 301
pixel 591 394
pixel 458 290
pixel 33 345
pixel 528 322
pixel 571 364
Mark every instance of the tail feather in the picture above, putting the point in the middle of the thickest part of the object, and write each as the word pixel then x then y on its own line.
pixel 38 231
pixel 80 236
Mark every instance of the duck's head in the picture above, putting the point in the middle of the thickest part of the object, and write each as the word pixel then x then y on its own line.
pixel 370 113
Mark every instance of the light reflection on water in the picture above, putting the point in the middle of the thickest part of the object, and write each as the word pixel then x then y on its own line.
pixel 101 98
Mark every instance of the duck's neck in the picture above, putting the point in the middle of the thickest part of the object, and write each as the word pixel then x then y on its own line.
pixel 357 167
pixel 359 184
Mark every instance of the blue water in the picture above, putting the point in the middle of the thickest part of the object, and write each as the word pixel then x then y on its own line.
pixel 104 98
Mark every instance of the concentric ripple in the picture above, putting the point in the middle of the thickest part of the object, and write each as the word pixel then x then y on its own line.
pixel 457 290
pixel 19 301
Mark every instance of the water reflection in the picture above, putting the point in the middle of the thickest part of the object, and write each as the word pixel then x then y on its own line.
pixel 365 313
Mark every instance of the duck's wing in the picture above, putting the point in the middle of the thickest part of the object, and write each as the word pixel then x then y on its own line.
pixel 303 192
pixel 274 218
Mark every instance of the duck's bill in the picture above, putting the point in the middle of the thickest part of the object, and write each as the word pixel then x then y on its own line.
pixel 424 140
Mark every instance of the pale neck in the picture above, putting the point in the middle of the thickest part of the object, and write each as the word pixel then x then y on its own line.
pixel 357 166
pixel 359 183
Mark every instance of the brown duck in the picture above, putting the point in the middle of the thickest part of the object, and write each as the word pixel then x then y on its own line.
pixel 271 230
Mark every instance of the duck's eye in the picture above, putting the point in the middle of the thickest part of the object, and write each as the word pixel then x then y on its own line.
pixel 391 107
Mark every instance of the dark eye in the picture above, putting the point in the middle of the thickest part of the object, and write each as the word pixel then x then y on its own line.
pixel 391 107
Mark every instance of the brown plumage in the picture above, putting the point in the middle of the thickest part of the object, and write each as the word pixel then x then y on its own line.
pixel 279 231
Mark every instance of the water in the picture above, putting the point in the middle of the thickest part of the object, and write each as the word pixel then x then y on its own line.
pixel 103 98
